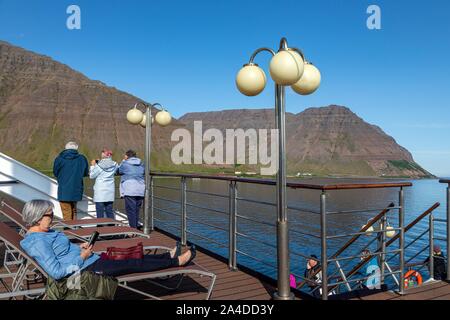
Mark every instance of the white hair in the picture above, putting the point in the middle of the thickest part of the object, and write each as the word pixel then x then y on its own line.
pixel 34 210
pixel 71 145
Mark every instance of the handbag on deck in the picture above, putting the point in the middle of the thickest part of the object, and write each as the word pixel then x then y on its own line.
pixel 135 252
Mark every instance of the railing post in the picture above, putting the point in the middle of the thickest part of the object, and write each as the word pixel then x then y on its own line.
pixel 431 244
pixel 448 231
pixel 383 249
pixel 401 220
pixel 323 240
pixel 183 210
pixel 232 226
pixel 151 199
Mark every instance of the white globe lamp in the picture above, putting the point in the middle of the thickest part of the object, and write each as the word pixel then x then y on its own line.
pixel 309 82
pixel 286 67
pixel 251 80
pixel 134 116
pixel 163 118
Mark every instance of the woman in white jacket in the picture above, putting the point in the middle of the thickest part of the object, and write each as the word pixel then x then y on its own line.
pixel 103 171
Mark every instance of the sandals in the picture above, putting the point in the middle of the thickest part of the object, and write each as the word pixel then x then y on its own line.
pixel 193 254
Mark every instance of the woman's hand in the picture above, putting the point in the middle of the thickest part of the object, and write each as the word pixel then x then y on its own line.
pixel 84 245
pixel 86 251
pixel 93 162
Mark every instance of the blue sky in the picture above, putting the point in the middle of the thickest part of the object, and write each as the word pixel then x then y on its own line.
pixel 185 55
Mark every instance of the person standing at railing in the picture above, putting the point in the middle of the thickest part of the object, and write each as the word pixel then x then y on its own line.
pixel 439 265
pixel 132 185
pixel 69 168
pixel 104 171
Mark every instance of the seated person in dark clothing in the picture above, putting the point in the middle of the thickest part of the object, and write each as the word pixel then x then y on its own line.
pixel 313 275
pixel 60 258
pixel 439 265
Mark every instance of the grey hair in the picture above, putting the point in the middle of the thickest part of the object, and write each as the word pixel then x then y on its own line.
pixel 71 145
pixel 34 210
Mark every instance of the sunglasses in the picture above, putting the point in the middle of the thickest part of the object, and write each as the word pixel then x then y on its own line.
pixel 50 215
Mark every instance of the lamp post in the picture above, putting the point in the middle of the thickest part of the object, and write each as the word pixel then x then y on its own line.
pixel 163 118
pixel 288 67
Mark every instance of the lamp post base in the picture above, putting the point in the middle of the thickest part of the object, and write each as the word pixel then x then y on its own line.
pixel 289 297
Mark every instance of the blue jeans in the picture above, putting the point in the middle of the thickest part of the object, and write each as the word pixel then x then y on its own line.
pixel 104 210
pixel 132 208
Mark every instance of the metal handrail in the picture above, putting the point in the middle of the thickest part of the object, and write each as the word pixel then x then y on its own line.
pixel 207 224
pixel 166 187
pixel 205 208
pixel 207 193
pixel 164 222
pixel 294 185
pixel 207 239
pixel 354 238
pixel 165 199
pixel 166 211
pixel 411 243
pixel 396 237
pixel 256 240
pixel 361 233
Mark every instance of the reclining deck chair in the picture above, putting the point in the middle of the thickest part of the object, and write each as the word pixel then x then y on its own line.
pixel 80 233
pixel 74 224
pixel 12 239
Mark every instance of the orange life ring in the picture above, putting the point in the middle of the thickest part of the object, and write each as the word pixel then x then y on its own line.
pixel 413 274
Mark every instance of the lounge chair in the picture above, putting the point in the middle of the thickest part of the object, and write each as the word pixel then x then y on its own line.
pixel 12 239
pixel 74 224
pixel 80 233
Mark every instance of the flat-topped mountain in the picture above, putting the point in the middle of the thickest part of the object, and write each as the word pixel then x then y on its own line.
pixel 44 103
pixel 326 140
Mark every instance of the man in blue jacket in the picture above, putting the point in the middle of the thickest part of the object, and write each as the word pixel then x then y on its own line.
pixel 132 185
pixel 69 168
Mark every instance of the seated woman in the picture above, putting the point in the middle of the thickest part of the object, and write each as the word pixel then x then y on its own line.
pixel 60 258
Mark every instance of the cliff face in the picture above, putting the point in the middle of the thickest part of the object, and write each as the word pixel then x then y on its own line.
pixel 43 104
pixel 327 140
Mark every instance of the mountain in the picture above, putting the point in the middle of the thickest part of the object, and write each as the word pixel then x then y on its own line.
pixel 44 104
pixel 329 140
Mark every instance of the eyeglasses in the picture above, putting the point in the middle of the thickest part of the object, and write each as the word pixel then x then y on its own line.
pixel 50 215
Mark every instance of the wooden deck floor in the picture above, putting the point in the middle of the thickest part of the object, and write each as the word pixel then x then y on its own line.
pixel 230 285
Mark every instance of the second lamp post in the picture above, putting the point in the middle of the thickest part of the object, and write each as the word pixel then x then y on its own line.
pixel 288 67
pixel 163 118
